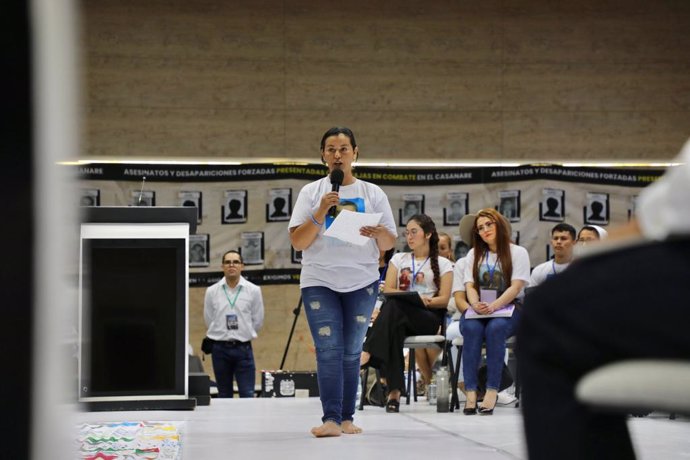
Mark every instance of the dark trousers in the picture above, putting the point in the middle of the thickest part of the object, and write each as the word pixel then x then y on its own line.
pixel 234 361
pixel 396 321
pixel 627 304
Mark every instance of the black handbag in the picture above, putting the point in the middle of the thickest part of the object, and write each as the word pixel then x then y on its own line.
pixel 207 345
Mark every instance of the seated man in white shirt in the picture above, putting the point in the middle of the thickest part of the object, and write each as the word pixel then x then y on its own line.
pixel 562 243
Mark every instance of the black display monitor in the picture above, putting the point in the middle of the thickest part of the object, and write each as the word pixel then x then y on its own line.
pixel 133 317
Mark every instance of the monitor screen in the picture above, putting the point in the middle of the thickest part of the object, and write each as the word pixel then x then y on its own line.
pixel 133 317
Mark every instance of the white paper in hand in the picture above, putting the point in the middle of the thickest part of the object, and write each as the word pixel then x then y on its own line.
pixel 346 226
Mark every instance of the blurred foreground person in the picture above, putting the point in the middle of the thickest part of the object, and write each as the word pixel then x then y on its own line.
pixel 625 300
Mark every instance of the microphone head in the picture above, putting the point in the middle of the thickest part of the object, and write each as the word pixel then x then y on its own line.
pixel 337 176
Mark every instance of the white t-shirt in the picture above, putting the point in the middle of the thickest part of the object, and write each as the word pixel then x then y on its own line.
pixel 416 274
pixel 663 207
pixel 330 262
pixel 459 276
pixel 520 259
pixel 544 271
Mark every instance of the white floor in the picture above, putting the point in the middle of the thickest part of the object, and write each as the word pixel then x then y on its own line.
pixel 278 428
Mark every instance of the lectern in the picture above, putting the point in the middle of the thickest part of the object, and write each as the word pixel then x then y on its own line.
pixel 133 291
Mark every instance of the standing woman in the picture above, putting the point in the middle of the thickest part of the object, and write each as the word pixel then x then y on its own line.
pixel 399 319
pixel 339 280
pixel 496 270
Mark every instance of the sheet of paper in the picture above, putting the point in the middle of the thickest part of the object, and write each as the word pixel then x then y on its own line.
pixel 504 312
pixel 346 226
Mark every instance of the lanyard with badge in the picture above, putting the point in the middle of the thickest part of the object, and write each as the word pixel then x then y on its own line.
pixel 415 273
pixel 231 320
pixel 488 295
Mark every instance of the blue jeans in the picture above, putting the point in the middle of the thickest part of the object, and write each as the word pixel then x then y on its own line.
pixel 338 322
pixel 494 332
pixel 234 361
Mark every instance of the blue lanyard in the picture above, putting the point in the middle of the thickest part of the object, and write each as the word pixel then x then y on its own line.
pixel 232 302
pixel 415 273
pixel 491 270
pixel 553 267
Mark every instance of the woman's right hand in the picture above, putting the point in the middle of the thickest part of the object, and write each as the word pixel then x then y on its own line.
pixel 328 200
pixel 482 308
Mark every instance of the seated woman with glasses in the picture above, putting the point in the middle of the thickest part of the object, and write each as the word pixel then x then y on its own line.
pixel 495 274
pixel 421 270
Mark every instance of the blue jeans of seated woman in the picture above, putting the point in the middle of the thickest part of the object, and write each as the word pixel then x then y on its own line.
pixel 338 322
pixel 494 332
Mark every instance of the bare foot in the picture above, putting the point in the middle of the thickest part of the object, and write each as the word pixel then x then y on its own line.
pixel 326 430
pixel 350 428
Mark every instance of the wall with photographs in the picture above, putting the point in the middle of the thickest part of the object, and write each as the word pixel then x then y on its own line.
pixel 248 207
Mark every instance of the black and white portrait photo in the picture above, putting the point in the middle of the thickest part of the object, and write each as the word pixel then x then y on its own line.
pixel 279 206
pixel 191 199
pixel 552 205
pixel 632 207
pixel 412 204
pixel 515 237
pixel 252 249
pixel 509 204
pixel 458 203
pixel 296 256
pixel 143 198
pixel 199 250
pixel 234 211
pixel 90 197
pixel 597 209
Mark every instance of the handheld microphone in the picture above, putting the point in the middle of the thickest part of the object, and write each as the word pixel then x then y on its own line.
pixel 141 193
pixel 337 177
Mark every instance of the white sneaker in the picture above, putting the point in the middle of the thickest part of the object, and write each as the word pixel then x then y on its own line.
pixel 506 396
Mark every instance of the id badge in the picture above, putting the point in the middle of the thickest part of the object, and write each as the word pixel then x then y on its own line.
pixel 487 295
pixel 232 322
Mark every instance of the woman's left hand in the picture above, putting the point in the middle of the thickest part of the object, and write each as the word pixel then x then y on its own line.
pixel 371 231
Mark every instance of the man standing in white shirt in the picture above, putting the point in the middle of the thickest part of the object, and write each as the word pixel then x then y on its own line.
pixel 562 243
pixel 234 314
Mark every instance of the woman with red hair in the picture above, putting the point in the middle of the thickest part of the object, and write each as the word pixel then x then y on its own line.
pixel 496 272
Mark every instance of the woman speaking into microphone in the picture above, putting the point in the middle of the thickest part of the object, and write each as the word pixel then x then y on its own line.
pixel 339 280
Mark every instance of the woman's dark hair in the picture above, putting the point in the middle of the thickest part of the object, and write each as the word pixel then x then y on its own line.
pixel 338 130
pixel 591 229
pixel 428 226
pixel 481 249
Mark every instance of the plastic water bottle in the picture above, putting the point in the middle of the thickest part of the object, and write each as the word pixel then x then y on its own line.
pixel 442 390
pixel 431 393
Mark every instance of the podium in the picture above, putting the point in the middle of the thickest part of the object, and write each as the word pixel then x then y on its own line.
pixel 133 308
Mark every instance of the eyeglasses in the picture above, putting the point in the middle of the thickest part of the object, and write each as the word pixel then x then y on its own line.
pixel 232 262
pixel 485 227
pixel 413 232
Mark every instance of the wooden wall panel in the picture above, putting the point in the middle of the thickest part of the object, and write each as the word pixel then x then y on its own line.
pixel 485 80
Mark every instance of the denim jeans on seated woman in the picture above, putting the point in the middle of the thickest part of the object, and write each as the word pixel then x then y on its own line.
pixel 338 322
pixel 494 332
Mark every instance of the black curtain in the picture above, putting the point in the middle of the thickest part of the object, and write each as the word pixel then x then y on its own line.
pixel 16 268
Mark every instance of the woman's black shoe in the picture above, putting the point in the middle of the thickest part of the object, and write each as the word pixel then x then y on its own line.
pixel 393 405
pixel 486 410
pixel 469 410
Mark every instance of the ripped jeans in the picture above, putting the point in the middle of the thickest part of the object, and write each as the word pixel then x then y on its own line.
pixel 338 322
